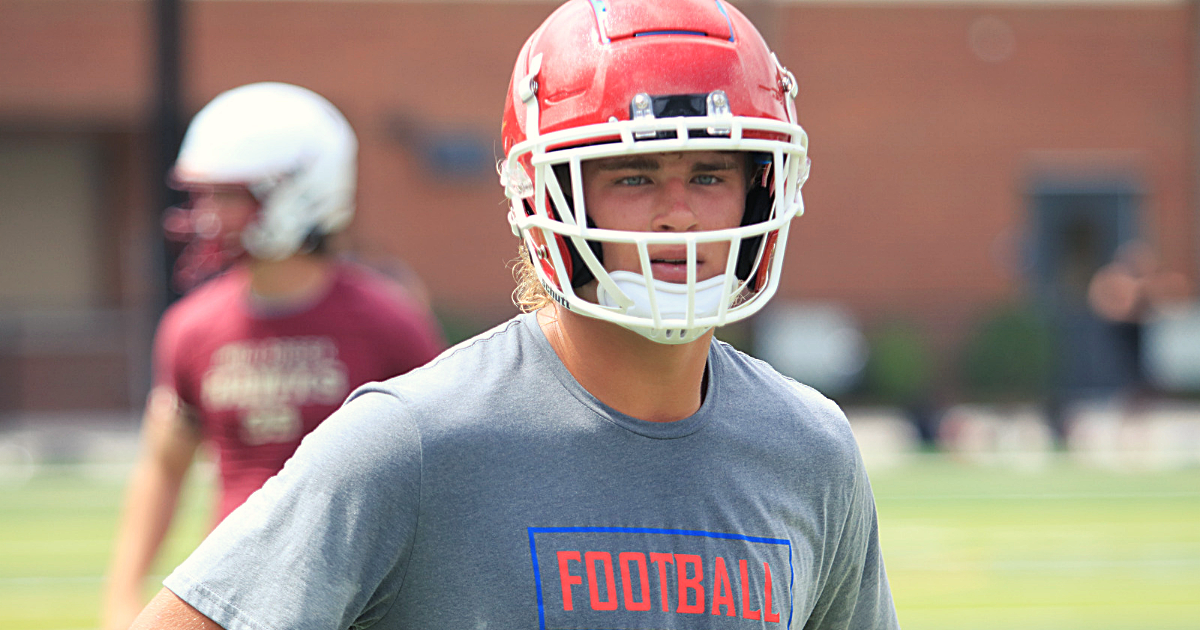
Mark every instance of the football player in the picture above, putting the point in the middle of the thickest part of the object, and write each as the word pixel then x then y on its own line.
pixel 252 360
pixel 599 461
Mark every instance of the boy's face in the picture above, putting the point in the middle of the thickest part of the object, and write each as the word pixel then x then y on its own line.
pixel 687 191
pixel 222 212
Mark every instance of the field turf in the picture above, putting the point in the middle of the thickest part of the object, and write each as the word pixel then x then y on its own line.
pixel 1061 547
pixel 968 547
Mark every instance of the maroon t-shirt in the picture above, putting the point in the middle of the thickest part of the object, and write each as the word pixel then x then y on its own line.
pixel 257 382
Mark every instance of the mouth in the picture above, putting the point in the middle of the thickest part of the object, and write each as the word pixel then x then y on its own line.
pixel 670 255
pixel 671 268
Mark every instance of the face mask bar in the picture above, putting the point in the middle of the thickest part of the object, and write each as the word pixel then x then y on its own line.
pixel 693 133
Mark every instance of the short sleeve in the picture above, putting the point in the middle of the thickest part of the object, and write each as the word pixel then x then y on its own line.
pixel 856 595
pixel 170 367
pixel 324 543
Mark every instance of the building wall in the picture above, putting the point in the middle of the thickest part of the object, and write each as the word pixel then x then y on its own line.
pixel 930 124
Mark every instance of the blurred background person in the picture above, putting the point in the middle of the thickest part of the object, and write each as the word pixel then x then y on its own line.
pixel 257 356
pixel 1126 293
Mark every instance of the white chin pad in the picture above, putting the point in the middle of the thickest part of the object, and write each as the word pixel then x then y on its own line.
pixel 671 298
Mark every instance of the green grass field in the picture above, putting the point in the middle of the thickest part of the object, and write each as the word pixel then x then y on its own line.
pixel 56 532
pixel 967 547
pixel 1061 548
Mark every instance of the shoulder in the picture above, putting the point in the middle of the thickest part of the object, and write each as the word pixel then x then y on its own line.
pixel 784 403
pixel 487 354
pixel 756 373
pixel 463 382
pixel 211 302
pixel 492 390
pixel 373 425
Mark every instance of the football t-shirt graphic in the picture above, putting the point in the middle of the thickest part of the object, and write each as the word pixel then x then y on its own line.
pixel 267 381
pixel 646 578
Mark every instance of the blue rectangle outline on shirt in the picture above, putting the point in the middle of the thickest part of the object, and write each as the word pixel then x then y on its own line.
pixel 537 574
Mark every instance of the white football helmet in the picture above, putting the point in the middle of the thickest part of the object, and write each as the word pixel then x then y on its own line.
pixel 292 149
pixel 604 78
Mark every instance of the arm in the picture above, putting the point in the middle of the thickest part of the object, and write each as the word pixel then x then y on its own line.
pixel 166 610
pixel 856 595
pixel 169 443
pixel 323 544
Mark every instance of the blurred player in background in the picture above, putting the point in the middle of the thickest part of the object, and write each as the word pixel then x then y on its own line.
pixel 1128 292
pixel 599 461
pixel 255 358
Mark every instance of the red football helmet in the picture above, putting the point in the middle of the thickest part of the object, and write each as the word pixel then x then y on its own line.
pixel 605 78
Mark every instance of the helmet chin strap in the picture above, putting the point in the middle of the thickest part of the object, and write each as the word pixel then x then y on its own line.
pixel 670 298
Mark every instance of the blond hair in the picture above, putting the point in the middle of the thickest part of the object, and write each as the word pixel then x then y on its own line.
pixel 529 295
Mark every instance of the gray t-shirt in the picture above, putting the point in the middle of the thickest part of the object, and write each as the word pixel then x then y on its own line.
pixel 489 490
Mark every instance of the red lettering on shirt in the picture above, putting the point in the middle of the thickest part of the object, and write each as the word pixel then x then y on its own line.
pixel 722 594
pixel 768 614
pixel 566 578
pixel 662 559
pixel 590 559
pixel 746 612
pixel 627 584
pixel 691 592
pixel 694 583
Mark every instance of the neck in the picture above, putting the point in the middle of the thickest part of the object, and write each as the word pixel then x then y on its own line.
pixel 293 279
pixel 636 376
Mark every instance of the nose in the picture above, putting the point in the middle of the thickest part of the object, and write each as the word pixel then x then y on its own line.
pixel 675 213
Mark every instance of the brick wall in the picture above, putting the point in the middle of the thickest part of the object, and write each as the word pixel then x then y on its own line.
pixel 930 125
